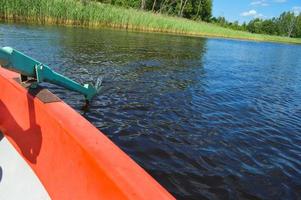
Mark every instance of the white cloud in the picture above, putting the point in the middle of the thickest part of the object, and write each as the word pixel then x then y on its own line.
pixel 259 15
pixel 259 3
pixel 252 13
pixel 280 1
pixel 296 10
pixel 249 13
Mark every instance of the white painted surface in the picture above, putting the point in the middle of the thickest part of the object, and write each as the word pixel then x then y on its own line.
pixel 17 180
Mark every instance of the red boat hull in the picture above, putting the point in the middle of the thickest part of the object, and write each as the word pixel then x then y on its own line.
pixel 72 158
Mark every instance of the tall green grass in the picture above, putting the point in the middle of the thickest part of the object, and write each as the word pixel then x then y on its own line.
pixel 94 14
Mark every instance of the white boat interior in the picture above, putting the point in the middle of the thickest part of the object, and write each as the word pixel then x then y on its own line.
pixel 17 179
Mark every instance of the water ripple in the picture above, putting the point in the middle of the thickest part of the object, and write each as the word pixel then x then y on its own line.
pixel 208 118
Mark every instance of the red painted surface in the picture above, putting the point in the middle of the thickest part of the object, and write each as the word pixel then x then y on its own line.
pixel 72 158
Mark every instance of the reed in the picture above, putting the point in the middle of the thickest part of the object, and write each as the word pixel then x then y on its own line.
pixel 95 14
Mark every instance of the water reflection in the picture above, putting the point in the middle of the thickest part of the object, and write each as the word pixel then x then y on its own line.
pixel 133 58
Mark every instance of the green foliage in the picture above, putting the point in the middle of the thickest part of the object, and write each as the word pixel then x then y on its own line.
pixel 127 4
pixel 95 14
pixel 287 24
pixel 191 9
pixel 206 10
pixel 221 21
pixel 254 26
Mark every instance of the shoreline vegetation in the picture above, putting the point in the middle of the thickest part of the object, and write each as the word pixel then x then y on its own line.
pixel 97 15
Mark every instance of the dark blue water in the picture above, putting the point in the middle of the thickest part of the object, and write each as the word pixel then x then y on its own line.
pixel 207 118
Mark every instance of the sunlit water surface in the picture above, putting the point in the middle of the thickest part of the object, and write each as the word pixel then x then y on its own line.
pixel 207 118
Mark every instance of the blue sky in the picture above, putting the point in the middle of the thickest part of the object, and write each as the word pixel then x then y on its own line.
pixel 245 10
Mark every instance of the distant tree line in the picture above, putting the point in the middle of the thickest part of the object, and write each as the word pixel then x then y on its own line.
pixel 287 24
pixel 191 9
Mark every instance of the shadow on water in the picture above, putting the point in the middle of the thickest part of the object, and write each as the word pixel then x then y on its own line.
pixel 28 140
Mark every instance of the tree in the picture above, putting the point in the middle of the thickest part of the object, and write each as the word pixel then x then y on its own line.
pixel 143 2
pixel 206 12
pixel 286 23
pixel 191 9
pixel 269 27
pixel 298 27
pixel 154 5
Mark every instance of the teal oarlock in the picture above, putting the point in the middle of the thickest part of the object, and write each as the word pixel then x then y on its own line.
pixel 28 67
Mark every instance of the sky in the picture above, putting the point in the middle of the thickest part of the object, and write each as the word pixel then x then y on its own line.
pixel 245 10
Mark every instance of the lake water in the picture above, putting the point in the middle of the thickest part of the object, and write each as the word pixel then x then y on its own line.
pixel 207 118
